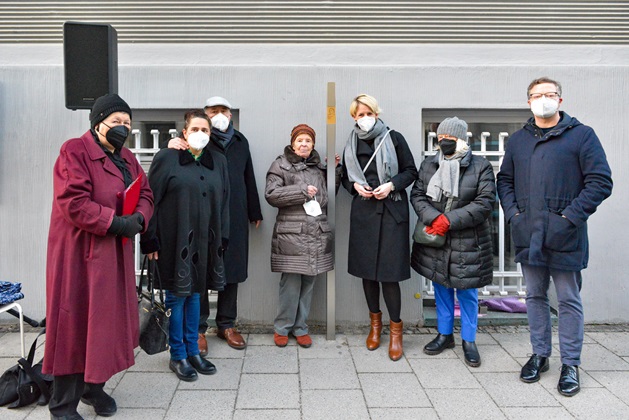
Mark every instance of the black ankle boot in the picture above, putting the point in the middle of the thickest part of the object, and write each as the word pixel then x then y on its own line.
pixel 203 366
pixel 94 395
pixel 183 370
pixel 470 351
pixel 439 344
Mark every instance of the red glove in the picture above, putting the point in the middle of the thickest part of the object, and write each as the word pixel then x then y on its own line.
pixel 439 226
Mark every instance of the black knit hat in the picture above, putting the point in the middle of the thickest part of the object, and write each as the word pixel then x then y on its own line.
pixel 107 105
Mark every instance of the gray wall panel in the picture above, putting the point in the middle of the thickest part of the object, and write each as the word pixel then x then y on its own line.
pixel 274 89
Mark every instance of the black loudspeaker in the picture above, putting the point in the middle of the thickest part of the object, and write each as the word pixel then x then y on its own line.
pixel 90 58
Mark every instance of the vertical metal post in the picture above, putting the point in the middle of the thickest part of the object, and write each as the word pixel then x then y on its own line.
pixel 331 152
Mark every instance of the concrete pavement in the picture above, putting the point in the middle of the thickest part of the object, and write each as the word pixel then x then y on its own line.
pixel 341 379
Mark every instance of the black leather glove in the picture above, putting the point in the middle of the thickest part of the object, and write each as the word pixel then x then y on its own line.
pixel 127 226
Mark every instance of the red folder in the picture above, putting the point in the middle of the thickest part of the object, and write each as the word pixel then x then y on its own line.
pixel 129 200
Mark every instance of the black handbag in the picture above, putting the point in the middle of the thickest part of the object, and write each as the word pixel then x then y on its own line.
pixel 427 239
pixel 154 317
pixel 24 383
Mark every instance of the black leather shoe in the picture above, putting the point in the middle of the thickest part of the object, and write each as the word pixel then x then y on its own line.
pixel 472 358
pixel 103 404
pixel 531 370
pixel 183 370
pixel 439 344
pixel 75 416
pixel 569 381
pixel 203 366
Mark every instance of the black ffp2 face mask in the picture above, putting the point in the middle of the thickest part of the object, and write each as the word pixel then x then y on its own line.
pixel 447 146
pixel 117 136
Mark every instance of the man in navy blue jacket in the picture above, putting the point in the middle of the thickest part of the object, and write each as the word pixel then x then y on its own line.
pixel 553 177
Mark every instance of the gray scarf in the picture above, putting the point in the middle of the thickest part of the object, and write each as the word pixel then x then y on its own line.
pixel 446 179
pixel 386 158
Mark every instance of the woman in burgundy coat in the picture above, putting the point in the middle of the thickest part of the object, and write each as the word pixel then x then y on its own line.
pixel 91 302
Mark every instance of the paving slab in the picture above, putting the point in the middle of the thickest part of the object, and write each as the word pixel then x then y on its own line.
pixel 267 415
pixel 493 359
pixel 464 404
pixel 218 348
pixel 325 349
pixel 328 374
pixel 151 363
pixel 377 361
pixel 11 344
pixel 596 403
pixel 145 390
pixel 393 390
pixel 597 357
pixel 139 414
pixel 202 405
pixel 616 382
pixel 443 373
pixel 23 413
pixel 529 413
pixel 414 348
pixel 268 391
pixel 508 391
pixel 616 342
pixel 267 359
pixel 333 404
pixel 403 413
pixel 227 376
pixel 266 340
pixel 516 344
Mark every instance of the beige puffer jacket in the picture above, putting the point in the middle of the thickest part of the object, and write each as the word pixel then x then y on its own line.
pixel 301 243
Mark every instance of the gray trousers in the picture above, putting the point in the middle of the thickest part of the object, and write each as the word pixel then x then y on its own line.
pixel 568 286
pixel 294 304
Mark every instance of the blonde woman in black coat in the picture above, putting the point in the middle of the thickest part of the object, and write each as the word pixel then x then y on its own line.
pixel 454 196
pixel 378 166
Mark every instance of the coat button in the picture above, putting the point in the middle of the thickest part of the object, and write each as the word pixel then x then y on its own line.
pixel 204 194
pixel 198 164
pixel 202 178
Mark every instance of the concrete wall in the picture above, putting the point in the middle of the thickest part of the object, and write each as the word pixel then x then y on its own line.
pixel 277 86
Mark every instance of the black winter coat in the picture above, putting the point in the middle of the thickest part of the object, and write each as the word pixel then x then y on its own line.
pixel 379 245
pixel 191 219
pixel 549 185
pixel 244 205
pixel 466 260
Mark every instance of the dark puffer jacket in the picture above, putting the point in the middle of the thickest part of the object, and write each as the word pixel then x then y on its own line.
pixel 301 243
pixel 466 260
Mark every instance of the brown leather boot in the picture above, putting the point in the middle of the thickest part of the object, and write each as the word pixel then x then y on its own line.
pixel 373 339
pixel 395 341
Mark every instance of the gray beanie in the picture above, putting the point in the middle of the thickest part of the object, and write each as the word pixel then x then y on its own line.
pixel 453 127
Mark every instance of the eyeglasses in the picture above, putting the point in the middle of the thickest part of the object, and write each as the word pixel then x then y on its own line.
pixel 549 95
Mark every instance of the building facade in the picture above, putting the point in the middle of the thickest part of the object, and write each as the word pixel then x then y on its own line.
pixel 272 60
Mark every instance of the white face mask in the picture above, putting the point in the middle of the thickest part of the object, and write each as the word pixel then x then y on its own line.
pixel 198 140
pixel 544 107
pixel 220 122
pixel 366 123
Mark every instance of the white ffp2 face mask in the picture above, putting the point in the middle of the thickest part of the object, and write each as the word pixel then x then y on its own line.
pixel 313 208
pixel 220 122
pixel 544 107
pixel 366 123
pixel 198 140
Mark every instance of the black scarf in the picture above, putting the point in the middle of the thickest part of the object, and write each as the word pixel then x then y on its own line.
pixel 223 138
pixel 116 159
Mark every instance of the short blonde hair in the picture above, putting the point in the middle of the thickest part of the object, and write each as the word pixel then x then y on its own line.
pixel 367 100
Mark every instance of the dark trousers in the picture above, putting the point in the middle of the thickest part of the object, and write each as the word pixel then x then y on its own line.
pixel 226 308
pixel 570 311
pixel 67 392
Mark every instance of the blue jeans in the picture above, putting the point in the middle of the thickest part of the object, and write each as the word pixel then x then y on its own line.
pixel 468 300
pixel 184 323
pixel 570 313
